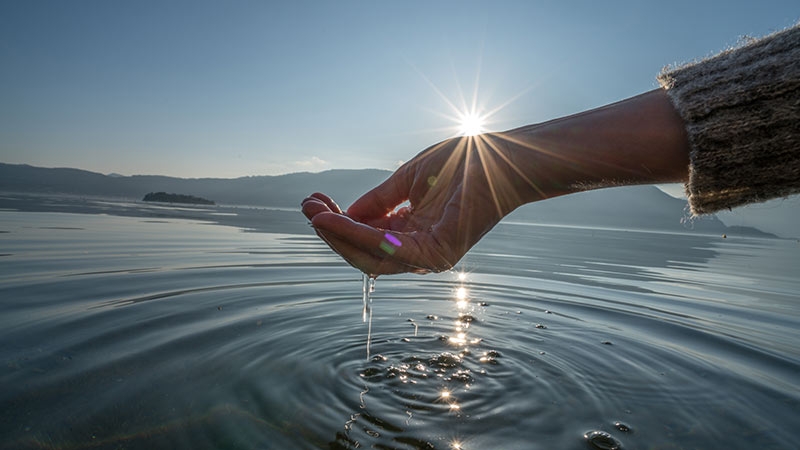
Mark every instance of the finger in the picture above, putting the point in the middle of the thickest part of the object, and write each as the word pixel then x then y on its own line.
pixel 415 250
pixel 328 201
pixel 382 199
pixel 361 236
pixel 397 221
pixel 362 260
pixel 312 206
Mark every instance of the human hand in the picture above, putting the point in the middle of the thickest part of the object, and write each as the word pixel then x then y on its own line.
pixel 459 189
pixel 456 191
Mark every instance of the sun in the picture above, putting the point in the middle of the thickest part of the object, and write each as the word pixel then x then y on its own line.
pixel 471 124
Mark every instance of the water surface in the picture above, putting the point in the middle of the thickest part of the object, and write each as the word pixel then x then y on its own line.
pixel 169 330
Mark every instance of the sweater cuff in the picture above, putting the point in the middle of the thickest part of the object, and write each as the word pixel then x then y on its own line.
pixel 742 114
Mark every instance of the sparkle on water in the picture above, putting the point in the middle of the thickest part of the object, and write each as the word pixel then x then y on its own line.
pixel 241 337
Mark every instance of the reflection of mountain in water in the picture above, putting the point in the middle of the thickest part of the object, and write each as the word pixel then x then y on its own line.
pixel 636 207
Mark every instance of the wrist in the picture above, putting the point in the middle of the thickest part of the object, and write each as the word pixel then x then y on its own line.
pixel 640 140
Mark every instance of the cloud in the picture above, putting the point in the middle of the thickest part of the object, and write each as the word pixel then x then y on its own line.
pixel 313 164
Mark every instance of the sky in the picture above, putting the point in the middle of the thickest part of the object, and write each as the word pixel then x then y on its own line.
pixel 236 88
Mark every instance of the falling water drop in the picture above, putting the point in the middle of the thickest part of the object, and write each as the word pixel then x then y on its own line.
pixel 367 288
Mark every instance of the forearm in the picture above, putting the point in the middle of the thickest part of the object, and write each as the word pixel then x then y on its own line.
pixel 640 140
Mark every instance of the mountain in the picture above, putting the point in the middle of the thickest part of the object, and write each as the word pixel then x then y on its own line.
pixel 633 207
pixel 276 191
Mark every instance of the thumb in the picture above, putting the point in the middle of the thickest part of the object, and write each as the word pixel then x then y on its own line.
pixel 382 199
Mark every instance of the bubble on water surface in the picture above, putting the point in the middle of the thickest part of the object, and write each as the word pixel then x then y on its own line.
pixel 602 440
pixel 622 427
pixel 445 366
pixel 490 357
pixel 445 360
pixel 466 318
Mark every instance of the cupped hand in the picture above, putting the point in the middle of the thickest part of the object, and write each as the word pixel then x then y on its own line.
pixel 427 214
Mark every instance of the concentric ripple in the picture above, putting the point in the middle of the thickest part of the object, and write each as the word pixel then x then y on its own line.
pixel 224 339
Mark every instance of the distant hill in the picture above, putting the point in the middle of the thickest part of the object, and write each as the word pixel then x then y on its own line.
pixel 634 207
pixel 164 197
pixel 277 191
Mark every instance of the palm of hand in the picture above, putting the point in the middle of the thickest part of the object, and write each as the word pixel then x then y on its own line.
pixel 455 191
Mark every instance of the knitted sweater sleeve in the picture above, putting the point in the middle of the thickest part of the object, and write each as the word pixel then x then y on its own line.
pixel 742 114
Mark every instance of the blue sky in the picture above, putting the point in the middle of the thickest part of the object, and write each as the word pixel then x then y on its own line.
pixel 235 88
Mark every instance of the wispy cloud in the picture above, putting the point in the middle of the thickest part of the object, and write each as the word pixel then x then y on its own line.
pixel 311 164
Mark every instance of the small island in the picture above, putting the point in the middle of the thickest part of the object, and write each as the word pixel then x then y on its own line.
pixel 163 197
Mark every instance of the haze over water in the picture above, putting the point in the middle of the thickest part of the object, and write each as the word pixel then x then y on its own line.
pixel 157 327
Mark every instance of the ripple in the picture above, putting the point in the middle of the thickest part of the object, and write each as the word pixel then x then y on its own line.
pixel 602 440
pixel 258 342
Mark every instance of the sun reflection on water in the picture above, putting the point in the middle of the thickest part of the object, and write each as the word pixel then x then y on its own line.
pixel 442 379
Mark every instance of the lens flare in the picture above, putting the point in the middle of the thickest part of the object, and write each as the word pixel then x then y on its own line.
pixel 471 124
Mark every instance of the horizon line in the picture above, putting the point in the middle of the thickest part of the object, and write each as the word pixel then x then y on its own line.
pixel 119 175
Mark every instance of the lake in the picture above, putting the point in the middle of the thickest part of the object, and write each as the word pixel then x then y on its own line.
pixel 137 326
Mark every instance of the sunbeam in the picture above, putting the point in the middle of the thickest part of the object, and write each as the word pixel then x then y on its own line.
pixel 470 117
pixel 471 124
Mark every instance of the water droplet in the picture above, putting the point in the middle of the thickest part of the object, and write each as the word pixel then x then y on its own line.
pixel 368 287
pixel 370 372
pixel 602 440
pixel 445 360
pixel 462 376
pixel 490 357
pixel 622 427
